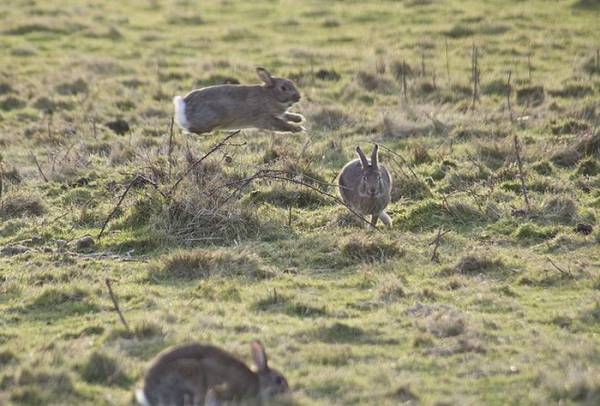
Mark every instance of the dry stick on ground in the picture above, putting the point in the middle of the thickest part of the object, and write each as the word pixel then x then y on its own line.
pixel 38 167
pixel 114 210
pixel 170 150
pixel 521 174
pixel 475 76
pixel 197 162
pixel 116 304
pixel 436 241
pixel 404 85
pixel 136 180
pixel 94 128
pixel 559 269
pixel 447 62
pixel 1 184
pixel 399 157
pixel 508 93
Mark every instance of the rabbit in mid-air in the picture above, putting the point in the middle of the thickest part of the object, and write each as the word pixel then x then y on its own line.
pixel 236 107
pixel 366 186
pixel 205 375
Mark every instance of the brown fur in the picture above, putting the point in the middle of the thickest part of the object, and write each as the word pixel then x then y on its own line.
pixel 366 186
pixel 193 373
pixel 243 106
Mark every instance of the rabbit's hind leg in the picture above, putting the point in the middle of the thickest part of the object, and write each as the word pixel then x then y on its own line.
pixel 385 218
pixel 277 124
pixel 296 118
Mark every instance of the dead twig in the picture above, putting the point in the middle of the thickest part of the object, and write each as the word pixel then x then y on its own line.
pixel 437 241
pixel 475 76
pixel 198 161
pixel 508 93
pixel 404 162
pixel 558 268
pixel 114 210
pixel 116 304
pixel 521 173
pixel 170 149
pixel 39 168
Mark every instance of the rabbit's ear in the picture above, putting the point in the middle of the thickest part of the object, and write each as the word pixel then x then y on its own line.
pixel 265 76
pixel 259 355
pixel 374 157
pixel 363 158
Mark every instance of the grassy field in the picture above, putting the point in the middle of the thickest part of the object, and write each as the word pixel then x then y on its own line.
pixel 508 310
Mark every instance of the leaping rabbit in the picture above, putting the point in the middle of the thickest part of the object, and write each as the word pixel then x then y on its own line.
pixel 233 107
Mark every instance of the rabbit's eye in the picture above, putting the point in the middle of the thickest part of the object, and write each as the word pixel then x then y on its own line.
pixel 283 88
pixel 279 380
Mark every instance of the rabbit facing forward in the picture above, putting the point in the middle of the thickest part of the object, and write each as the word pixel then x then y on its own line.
pixel 366 186
pixel 204 375
pixel 233 107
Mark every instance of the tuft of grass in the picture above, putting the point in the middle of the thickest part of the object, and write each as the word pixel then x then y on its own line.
pixel 11 103
pixel 370 248
pixel 102 369
pixel 204 263
pixel 338 333
pixel 575 383
pixel 588 167
pixel 477 264
pixel 446 324
pixel 69 300
pixel 275 302
pixel 562 209
pixel 531 95
pixel 543 168
pixel 329 118
pixel 21 203
pixel 532 233
pixel 391 291
pixel 568 126
pixel 71 88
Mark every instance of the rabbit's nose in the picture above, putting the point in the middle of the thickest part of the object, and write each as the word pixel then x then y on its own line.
pixel 296 97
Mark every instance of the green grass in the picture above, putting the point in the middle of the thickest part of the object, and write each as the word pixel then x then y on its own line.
pixel 509 312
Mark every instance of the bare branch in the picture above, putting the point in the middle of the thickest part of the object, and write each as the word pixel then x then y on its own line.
pixel 41 172
pixel 116 304
pixel 197 162
pixel 521 174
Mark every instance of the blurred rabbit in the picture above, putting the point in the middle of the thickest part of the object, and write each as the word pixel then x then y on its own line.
pixel 240 106
pixel 366 187
pixel 204 375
